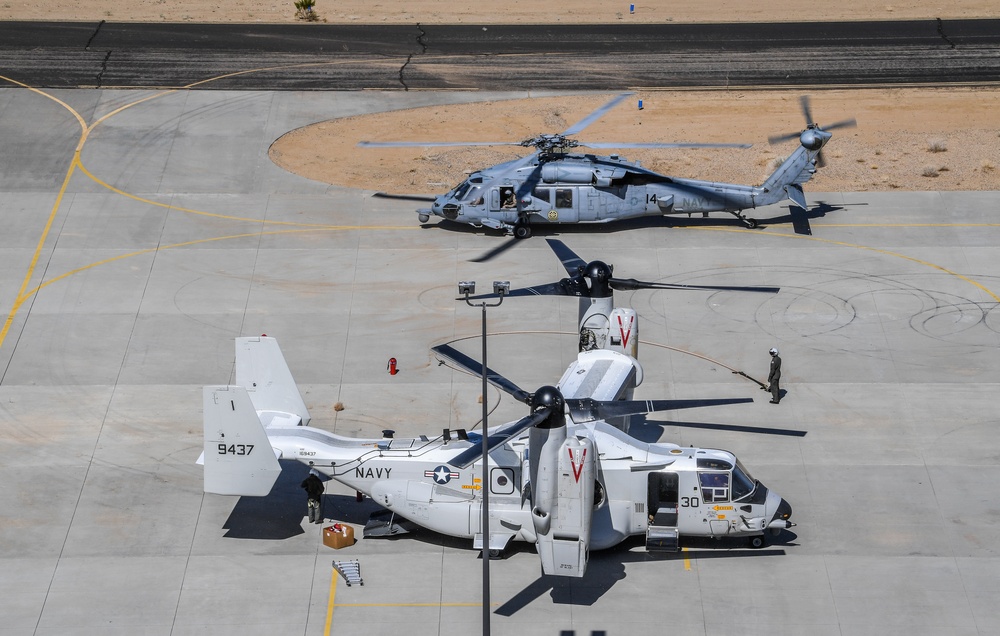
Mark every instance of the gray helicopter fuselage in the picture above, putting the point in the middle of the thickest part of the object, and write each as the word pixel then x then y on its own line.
pixel 557 188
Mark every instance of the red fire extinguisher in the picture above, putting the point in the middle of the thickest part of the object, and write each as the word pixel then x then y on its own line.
pixel 391 367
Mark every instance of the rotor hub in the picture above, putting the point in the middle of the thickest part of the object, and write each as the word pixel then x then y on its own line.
pixel 547 397
pixel 810 140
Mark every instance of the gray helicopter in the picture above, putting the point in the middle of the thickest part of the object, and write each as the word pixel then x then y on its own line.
pixel 553 185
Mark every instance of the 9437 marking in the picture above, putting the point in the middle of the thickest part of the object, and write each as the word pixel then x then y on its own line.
pixel 235 449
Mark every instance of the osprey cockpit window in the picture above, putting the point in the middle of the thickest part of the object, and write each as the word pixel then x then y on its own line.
pixel 743 483
pixel 714 486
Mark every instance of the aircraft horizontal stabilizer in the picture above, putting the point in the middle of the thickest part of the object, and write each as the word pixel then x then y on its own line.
pixel 238 456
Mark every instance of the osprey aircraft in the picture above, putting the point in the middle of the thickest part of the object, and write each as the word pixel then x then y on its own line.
pixel 554 186
pixel 563 477
pixel 602 325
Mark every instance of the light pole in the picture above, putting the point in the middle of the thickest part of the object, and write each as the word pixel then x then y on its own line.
pixel 500 288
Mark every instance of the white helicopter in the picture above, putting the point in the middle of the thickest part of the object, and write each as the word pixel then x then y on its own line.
pixel 566 477
pixel 554 186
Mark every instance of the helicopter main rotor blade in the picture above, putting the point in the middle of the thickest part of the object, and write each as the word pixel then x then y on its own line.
pixel 476 368
pixel 572 263
pixel 470 455
pixel 404 197
pixel 777 139
pixel 631 284
pixel 420 144
pixel 847 123
pixel 594 116
pixel 806 110
pixel 654 144
pixel 762 430
pixel 587 410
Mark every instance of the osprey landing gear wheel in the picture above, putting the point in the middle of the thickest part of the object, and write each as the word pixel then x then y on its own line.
pixel 757 542
pixel 522 230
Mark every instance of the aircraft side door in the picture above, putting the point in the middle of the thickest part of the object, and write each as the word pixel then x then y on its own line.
pixel 565 204
pixel 503 203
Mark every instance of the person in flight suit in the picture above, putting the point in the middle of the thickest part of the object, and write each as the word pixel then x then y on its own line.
pixel 774 376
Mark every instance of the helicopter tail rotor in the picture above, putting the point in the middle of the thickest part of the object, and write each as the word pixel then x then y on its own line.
pixel 809 138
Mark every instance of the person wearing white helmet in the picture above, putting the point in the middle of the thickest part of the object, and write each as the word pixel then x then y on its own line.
pixel 774 376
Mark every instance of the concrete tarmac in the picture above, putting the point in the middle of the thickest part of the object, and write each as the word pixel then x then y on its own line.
pixel 127 270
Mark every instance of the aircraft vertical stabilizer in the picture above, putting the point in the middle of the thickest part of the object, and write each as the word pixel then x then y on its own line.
pixel 262 370
pixel 238 456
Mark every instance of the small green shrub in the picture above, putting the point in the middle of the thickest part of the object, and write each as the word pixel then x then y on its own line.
pixel 305 10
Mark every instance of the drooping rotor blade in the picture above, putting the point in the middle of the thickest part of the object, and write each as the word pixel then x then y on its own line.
pixel 588 410
pixel 404 197
pixel 470 455
pixel 572 263
pixel 594 116
pixel 476 368
pixel 429 144
pixel 762 430
pixel 631 284
pixel 653 144
pixel 496 251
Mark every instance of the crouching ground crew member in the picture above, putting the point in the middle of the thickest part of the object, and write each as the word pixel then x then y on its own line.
pixel 774 376
pixel 314 491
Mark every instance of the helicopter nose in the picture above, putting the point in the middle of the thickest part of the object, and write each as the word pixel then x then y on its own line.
pixel 781 516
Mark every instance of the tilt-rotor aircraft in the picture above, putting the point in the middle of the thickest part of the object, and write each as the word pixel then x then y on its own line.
pixel 602 325
pixel 555 186
pixel 563 477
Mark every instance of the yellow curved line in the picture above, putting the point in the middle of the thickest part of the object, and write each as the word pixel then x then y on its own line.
pixel 216 215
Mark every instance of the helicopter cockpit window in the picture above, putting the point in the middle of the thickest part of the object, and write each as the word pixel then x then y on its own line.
pixel 743 483
pixel 474 196
pixel 714 487
pixel 564 198
pixel 461 190
pixel 542 194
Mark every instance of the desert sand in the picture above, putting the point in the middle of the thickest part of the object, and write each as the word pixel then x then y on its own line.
pixel 906 139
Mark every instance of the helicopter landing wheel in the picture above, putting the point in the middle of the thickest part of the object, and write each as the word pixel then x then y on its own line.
pixel 757 542
pixel 494 554
pixel 750 223
pixel 522 231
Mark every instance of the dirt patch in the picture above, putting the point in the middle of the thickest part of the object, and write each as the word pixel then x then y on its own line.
pixel 906 139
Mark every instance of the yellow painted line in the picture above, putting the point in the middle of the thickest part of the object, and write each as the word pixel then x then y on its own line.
pixel 331 602
pixel 687 560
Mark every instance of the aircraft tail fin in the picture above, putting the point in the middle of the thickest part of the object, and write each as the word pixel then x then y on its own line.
pixel 261 369
pixel 238 457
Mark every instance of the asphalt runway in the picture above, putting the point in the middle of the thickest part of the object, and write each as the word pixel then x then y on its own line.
pixel 510 57
pixel 144 230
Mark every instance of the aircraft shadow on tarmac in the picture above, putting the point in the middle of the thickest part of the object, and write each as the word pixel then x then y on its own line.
pixel 280 514
pixel 797 217
pixel 607 567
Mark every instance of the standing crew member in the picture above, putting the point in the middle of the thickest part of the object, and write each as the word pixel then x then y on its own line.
pixel 774 376
pixel 314 491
